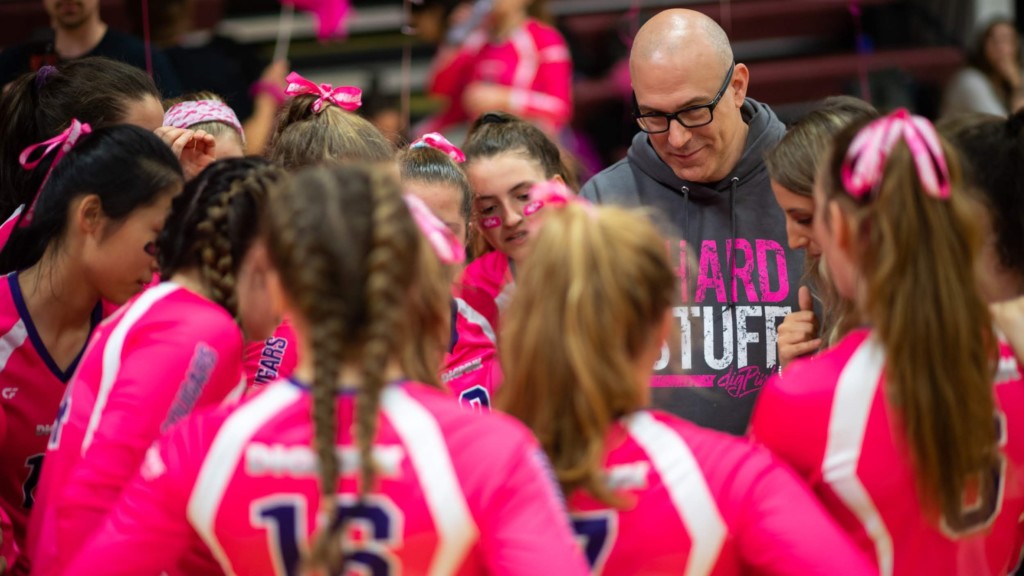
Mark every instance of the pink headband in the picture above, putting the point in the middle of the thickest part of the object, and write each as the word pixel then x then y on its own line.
pixel 188 114
pixel 62 142
pixel 441 238
pixel 439 142
pixel 865 160
pixel 346 97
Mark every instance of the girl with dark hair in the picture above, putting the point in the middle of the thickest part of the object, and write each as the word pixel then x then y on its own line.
pixel 174 348
pixel 358 463
pixel 97 91
pixel 87 237
pixel 505 158
pixel 906 428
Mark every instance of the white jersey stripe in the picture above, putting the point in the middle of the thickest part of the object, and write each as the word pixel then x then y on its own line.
pixel 851 408
pixel 526 59
pixel 222 460
pixel 475 318
pixel 11 341
pixel 685 483
pixel 428 453
pixel 115 347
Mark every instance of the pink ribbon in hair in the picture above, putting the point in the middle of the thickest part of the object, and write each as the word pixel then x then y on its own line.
pixel 188 114
pixel 62 143
pixel 439 142
pixel 865 160
pixel 441 238
pixel 346 97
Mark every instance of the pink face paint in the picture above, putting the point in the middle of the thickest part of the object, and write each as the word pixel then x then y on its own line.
pixel 490 223
pixel 532 208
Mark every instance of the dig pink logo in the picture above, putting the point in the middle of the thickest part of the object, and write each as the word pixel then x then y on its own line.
pixel 490 222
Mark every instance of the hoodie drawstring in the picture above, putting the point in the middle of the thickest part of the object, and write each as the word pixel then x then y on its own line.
pixel 730 289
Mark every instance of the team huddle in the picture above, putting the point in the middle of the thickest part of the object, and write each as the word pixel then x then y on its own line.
pixel 343 358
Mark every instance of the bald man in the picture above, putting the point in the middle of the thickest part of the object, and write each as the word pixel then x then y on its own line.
pixel 697 162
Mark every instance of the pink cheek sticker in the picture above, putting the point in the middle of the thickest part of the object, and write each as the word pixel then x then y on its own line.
pixel 490 223
pixel 532 208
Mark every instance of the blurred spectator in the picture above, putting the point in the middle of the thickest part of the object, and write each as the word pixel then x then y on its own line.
pixel 78 31
pixel 207 62
pixel 992 82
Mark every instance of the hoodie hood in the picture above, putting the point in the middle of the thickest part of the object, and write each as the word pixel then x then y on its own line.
pixel 764 131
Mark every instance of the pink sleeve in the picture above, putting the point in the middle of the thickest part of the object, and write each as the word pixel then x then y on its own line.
pixel 550 98
pixel 783 423
pixel 159 381
pixel 147 531
pixel 784 530
pixel 524 528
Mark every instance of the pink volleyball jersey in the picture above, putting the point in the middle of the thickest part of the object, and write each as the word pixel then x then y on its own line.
pixel 534 62
pixel 829 418
pixel 695 501
pixel 268 360
pixel 164 354
pixel 472 370
pixel 31 386
pixel 456 493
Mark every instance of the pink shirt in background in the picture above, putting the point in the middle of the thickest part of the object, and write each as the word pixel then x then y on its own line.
pixel 268 360
pixel 31 387
pixel 828 417
pixel 457 492
pixel 534 61
pixel 472 370
pixel 695 501
pixel 166 353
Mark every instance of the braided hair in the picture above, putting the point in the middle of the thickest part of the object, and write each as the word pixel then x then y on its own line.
pixel 371 292
pixel 213 224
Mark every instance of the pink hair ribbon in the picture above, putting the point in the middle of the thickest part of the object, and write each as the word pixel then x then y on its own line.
pixel 62 143
pixel 441 238
pixel 188 114
pixel 346 97
pixel 439 142
pixel 865 160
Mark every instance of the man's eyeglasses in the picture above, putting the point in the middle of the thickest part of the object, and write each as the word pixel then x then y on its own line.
pixel 690 117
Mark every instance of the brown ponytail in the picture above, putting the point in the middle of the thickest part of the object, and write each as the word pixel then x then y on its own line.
pixel 916 255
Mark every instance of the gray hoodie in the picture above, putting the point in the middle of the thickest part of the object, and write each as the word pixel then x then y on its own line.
pixel 730 301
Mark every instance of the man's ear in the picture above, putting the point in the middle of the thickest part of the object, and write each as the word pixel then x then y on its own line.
pixel 739 83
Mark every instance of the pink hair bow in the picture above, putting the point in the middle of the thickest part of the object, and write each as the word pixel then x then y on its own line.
pixel 550 193
pixel 62 143
pixel 439 142
pixel 346 97
pixel 441 238
pixel 865 160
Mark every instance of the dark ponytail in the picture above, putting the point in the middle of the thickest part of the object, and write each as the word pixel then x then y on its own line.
pixel 125 166
pixel 39 105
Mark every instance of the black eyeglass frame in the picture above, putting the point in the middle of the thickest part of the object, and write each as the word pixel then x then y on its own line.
pixel 669 117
